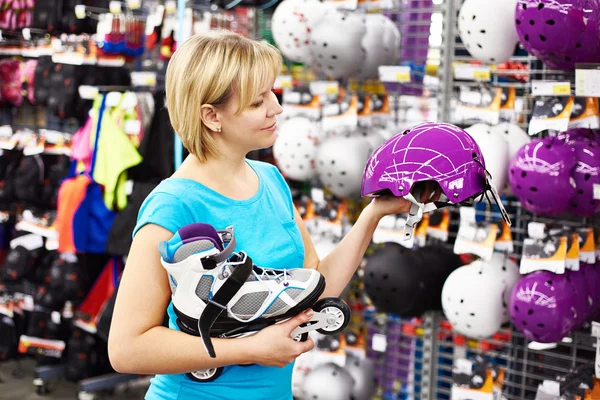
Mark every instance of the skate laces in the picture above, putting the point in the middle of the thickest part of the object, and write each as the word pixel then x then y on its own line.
pixel 267 274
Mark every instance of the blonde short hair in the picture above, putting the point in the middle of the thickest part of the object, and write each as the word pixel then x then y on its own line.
pixel 208 69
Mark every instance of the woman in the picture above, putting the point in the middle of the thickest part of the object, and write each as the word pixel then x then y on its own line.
pixel 220 102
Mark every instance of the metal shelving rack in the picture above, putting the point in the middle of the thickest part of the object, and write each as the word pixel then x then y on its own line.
pixel 425 352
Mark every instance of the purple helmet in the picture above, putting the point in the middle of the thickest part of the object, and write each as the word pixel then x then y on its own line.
pixel 581 298
pixel 575 134
pixel 586 176
pixel 541 307
pixel 430 151
pixel 591 275
pixel 559 32
pixel 540 176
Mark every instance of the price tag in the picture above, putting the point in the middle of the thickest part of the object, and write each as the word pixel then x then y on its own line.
pixel 143 78
pixel 133 127
pixel 113 99
pixel 26 34
pixel 536 230
pixel 115 7
pixel 550 88
pixel 80 12
pixel 324 88
pixel 587 80
pixel 283 82
pixel 379 342
pixel 596 191
pixel 88 92
pixel 394 74
pixel 469 72
pixel 170 7
pixel 134 4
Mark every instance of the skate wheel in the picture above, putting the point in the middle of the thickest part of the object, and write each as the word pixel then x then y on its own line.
pixel 207 375
pixel 337 308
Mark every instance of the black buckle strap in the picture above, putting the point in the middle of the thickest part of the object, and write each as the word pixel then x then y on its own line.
pixel 218 303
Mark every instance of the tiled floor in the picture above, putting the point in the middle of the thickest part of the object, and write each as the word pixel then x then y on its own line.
pixel 17 383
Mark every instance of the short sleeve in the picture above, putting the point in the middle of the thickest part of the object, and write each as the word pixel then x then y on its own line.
pixel 165 210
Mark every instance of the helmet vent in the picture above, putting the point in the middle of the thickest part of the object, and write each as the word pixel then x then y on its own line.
pixel 540 6
pixel 550 22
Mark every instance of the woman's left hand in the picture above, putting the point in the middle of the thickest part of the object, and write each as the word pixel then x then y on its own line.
pixel 386 205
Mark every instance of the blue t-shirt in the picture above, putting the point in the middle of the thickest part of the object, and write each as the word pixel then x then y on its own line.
pixel 265 229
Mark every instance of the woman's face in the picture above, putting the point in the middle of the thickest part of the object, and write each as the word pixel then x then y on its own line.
pixel 253 128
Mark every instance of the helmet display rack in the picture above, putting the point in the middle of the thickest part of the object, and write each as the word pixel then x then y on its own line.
pixel 420 355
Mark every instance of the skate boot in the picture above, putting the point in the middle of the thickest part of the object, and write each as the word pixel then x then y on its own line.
pixel 220 293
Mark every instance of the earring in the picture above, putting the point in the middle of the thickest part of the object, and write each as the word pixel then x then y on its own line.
pixel 219 130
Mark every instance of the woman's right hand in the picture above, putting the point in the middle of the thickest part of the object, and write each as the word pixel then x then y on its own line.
pixel 274 346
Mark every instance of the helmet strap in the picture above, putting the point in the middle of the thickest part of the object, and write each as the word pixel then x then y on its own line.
pixel 415 214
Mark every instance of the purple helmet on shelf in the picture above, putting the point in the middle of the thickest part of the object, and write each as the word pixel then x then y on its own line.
pixel 586 175
pixel 541 307
pixel 559 32
pixel 581 298
pixel 438 152
pixel 540 176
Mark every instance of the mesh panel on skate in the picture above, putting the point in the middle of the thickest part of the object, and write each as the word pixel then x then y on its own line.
pixel 188 249
pixel 249 304
pixel 203 287
pixel 300 274
pixel 293 293
pixel 277 306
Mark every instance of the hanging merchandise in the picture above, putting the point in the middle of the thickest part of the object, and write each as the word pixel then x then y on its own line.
pixel 560 33
pixel 362 371
pixel 487 29
pixel 472 300
pixel 337 55
pixel 586 200
pixel 340 171
pixel 407 282
pixel 379 43
pixel 540 176
pixel 295 149
pixel 83 221
pixel 437 152
pixel 327 382
pixel 10 81
pixel 126 35
pixel 292 23
pixel 515 137
pixel 114 153
pixel 541 307
pixel 494 148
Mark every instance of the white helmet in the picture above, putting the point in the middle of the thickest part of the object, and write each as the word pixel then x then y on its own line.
pixel 295 149
pixel 291 25
pixel 328 382
pixel 391 41
pixel 495 152
pixel 340 164
pixel 515 137
pixel 336 44
pixel 377 54
pixel 487 28
pixel 472 301
pixel 503 269
pixel 362 371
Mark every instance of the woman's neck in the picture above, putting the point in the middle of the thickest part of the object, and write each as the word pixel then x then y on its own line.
pixel 232 177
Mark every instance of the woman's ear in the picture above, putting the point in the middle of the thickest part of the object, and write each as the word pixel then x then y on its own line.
pixel 210 118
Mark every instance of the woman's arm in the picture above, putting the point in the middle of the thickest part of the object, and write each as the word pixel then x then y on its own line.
pixel 138 343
